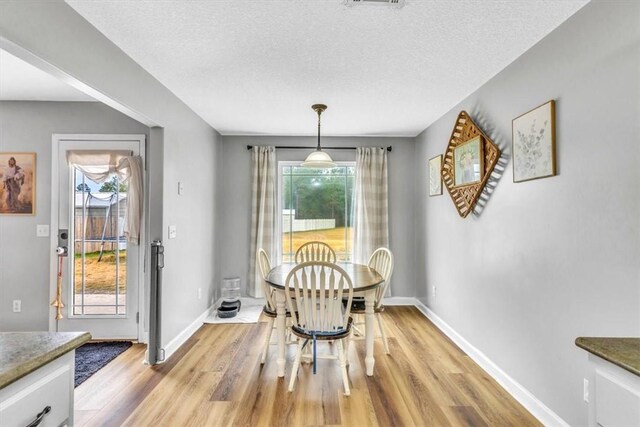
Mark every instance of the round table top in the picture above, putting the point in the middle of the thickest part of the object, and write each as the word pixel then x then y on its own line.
pixel 362 276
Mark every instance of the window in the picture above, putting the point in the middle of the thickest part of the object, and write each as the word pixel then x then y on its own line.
pixel 315 204
pixel 100 247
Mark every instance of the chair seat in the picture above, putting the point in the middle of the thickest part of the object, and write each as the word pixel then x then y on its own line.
pixel 358 306
pixel 272 313
pixel 339 334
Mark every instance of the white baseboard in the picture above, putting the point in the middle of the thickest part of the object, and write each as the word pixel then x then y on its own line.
pixel 399 301
pixel 538 409
pixel 183 336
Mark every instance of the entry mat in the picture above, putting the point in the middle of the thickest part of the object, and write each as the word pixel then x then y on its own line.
pixel 93 356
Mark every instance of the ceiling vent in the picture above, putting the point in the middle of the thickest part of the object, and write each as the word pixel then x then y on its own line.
pixel 396 4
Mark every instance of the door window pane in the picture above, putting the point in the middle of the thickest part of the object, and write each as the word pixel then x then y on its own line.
pixel 100 248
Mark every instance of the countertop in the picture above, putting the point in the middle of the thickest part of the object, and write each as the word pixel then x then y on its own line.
pixel 623 352
pixel 23 352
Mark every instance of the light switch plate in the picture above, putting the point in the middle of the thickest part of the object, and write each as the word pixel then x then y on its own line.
pixel 42 230
pixel 180 188
pixel 172 232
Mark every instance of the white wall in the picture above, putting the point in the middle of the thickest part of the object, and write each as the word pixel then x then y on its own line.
pixel 24 258
pixel 235 216
pixel 552 259
pixel 58 37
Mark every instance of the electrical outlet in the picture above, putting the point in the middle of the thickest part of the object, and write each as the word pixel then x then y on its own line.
pixel 172 232
pixel 585 390
pixel 42 230
pixel 199 293
pixel 17 306
pixel 435 291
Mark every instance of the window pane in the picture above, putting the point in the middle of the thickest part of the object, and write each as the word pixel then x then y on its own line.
pixel 316 205
pixel 286 214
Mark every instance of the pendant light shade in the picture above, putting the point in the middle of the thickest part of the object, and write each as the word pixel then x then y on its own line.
pixel 318 158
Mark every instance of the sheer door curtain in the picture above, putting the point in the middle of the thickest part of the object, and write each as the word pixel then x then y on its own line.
pixel 263 213
pixel 99 166
pixel 371 211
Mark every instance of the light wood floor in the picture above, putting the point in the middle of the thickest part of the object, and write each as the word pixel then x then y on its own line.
pixel 215 379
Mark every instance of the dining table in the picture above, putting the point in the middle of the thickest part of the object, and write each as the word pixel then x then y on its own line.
pixel 365 281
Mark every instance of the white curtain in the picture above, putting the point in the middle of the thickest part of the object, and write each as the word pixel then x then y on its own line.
pixel 99 166
pixel 370 208
pixel 263 213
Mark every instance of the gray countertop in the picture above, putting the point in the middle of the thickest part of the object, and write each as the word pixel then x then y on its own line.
pixel 623 352
pixel 23 352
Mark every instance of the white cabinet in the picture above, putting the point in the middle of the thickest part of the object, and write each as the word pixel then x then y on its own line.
pixel 616 401
pixel 50 386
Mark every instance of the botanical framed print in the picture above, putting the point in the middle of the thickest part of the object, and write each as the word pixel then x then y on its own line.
pixel 534 143
pixel 17 183
pixel 435 176
pixel 468 162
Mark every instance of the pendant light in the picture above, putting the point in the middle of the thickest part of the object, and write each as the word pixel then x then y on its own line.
pixel 318 158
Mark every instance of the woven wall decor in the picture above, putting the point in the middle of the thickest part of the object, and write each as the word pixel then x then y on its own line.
pixel 465 197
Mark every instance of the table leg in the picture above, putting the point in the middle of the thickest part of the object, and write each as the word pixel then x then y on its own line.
pixel 281 329
pixel 369 330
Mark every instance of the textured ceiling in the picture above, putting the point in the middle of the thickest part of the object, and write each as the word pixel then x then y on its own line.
pixel 20 81
pixel 255 67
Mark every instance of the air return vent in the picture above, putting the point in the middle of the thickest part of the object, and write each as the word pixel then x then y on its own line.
pixel 389 3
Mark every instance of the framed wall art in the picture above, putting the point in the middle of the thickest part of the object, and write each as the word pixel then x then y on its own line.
pixel 435 176
pixel 17 183
pixel 534 143
pixel 467 162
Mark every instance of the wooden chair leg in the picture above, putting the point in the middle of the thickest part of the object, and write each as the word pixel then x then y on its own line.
pixel 296 365
pixel 267 341
pixel 343 365
pixel 347 346
pixel 357 320
pixel 307 354
pixel 384 336
pixel 287 324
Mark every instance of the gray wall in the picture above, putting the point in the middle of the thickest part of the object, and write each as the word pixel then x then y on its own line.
pixel 53 33
pixel 552 259
pixel 24 258
pixel 235 217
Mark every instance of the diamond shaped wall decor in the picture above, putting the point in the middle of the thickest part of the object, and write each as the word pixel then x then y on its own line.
pixel 483 157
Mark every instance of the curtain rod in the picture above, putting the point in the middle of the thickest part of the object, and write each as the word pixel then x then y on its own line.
pixel 300 147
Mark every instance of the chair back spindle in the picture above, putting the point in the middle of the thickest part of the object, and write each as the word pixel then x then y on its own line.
pixel 317 289
pixel 265 267
pixel 315 251
pixel 382 261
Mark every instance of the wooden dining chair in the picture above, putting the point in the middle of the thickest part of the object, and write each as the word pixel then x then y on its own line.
pixel 381 261
pixel 315 251
pixel 269 309
pixel 317 289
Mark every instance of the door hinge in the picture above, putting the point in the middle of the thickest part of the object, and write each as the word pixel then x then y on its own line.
pixel 138 317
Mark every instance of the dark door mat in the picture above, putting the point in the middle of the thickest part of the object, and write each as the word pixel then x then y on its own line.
pixel 93 356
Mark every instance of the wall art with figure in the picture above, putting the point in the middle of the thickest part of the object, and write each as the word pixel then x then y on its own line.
pixel 17 183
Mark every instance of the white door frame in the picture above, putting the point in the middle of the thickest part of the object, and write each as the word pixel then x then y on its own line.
pixel 55 144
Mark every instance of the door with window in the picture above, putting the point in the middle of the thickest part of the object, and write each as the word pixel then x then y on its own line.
pixel 316 204
pixel 102 271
